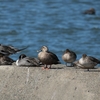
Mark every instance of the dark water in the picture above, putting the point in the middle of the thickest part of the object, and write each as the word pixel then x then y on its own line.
pixel 58 24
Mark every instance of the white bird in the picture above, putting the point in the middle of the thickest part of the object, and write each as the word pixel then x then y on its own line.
pixel 88 62
pixel 27 61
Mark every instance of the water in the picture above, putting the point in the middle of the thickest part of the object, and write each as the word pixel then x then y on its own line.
pixel 58 24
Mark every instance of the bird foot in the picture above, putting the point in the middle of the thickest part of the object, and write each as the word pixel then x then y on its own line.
pixel 48 67
pixel 45 68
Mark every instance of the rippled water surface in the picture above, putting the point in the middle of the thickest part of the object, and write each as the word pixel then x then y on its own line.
pixel 58 24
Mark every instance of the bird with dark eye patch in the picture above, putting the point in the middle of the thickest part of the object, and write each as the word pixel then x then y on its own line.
pixel 88 62
pixel 9 50
pixel 69 57
pixel 47 57
pixel 5 60
pixel 27 61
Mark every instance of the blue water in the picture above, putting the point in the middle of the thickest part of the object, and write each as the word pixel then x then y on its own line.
pixel 58 24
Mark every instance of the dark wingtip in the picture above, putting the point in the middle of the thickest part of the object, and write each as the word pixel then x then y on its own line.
pixel 59 62
pixel 98 61
pixel 22 49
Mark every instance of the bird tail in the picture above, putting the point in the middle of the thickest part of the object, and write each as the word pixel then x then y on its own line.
pixel 59 62
pixel 98 61
pixel 22 49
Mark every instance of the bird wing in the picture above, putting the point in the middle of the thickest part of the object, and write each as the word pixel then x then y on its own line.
pixel 94 59
pixel 54 56
pixel 8 60
pixel 32 61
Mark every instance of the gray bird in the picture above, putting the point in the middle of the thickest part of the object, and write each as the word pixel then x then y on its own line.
pixel 69 56
pixel 88 62
pixel 27 61
pixel 5 60
pixel 47 57
pixel 8 50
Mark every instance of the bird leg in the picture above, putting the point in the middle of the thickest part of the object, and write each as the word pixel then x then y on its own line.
pixel 48 67
pixel 87 69
pixel 66 64
pixel 45 67
pixel 72 64
pixel 69 64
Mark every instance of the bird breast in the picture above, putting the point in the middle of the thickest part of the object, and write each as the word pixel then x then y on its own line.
pixel 68 58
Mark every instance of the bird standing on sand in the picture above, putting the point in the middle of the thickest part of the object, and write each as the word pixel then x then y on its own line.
pixel 27 61
pixel 69 56
pixel 5 60
pixel 8 50
pixel 88 62
pixel 47 57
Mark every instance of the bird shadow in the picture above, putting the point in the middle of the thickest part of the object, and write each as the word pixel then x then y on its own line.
pixel 30 66
pixel 92 70
pixel 57 68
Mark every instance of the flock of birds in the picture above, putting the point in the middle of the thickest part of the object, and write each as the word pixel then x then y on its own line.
pixel 46 58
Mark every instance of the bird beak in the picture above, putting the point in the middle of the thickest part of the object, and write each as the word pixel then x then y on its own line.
pixel 38 50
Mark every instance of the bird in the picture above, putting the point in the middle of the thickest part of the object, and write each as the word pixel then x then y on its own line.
pixel 69 56
pixel 27 61
pixel 88 62
pixel 5 60
pixel 47 57
pixel 91 11
pixel 9 50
